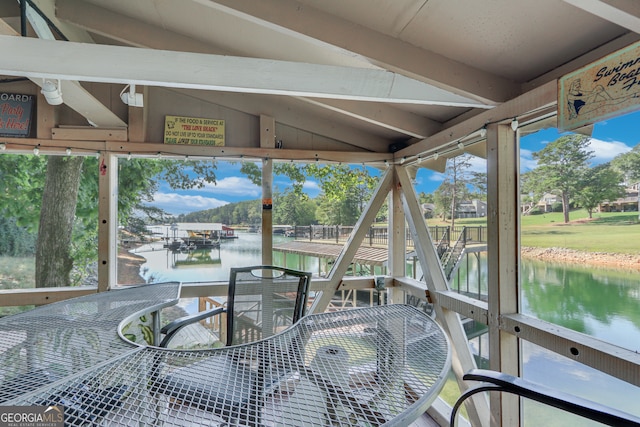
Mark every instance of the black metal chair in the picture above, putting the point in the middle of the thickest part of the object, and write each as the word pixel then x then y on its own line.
pixel 262 301
pixel 498 381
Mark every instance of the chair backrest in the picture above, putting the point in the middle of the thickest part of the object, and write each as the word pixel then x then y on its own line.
pixel 264 300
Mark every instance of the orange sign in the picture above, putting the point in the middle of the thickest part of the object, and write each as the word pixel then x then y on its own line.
pixel 606 88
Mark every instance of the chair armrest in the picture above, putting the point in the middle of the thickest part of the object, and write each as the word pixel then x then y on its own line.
pixel 498 381
pixel 172 328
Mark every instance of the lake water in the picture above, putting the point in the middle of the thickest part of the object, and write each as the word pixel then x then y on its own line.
pixel 602 303
pixel 212 265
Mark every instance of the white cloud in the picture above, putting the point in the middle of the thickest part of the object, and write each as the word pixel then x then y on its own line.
pixel 526 160
pixel 181 203
pixel 437 177
pixel 478 164
pixel 234 186
pixel 311 186
pixel 604 151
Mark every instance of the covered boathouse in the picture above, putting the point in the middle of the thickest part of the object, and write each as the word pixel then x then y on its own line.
pixel 399 85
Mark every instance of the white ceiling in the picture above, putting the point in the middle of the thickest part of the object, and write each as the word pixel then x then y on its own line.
pixel 401 69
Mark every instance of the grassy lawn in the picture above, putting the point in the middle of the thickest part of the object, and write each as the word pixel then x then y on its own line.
pixel 615 232
pixel 16 273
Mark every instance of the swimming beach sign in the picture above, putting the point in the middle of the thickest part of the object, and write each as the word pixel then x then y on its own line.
pixel 603 89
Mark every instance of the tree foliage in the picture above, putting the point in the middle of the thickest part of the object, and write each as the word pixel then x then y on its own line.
pixel 598 184
pixel 290 209
pixel 16 241
pixel 455 186
pixel 24 177
pixel 345 190
pixel 628 164
pixel 562 165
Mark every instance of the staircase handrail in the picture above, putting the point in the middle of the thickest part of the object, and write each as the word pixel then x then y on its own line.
pixel 456 253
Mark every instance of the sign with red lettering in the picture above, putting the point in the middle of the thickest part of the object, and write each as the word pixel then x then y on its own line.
pixel 15 114
pixel 603 89
pixel 193 131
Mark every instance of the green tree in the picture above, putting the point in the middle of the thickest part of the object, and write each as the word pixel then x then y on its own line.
pixel 454 187
pixel 54 260
pixel 530 193
pixel 628 164
pixel 599 183
pixel 58 196
pixel 345 187
pixel 289 208
pixel 478 184
pixel 562 165
pixel 345 190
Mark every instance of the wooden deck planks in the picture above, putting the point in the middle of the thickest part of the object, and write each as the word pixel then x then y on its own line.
pixel 364 255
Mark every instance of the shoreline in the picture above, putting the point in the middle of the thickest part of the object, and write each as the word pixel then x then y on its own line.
pixel 129 267
pixel 588 259
pixel 129 263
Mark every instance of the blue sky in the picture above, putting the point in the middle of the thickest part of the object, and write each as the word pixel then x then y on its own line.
pixel 610 138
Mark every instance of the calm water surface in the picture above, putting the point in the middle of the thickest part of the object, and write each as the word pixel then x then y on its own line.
pixel 602 303
pixel 212 265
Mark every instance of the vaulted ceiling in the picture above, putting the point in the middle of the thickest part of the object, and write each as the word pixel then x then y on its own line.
pixel 369 73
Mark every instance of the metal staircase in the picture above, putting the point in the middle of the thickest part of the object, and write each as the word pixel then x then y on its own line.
pixel 451 258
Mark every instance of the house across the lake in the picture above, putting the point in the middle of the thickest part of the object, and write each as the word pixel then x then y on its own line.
pixel 628 203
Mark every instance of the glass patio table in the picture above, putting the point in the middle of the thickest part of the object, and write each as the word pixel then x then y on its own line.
pixel 368 366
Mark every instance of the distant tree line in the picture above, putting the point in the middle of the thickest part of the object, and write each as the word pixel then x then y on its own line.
pixel 288 208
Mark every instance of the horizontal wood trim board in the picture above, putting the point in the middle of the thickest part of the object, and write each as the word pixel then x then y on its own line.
pixel 41 296
pixel 89 134
pixel 464 305
pixel 608 358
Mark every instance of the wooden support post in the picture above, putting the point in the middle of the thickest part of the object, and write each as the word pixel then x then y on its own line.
pixel 503 245
pixel 267 140
pixel 462 359
pixel 137 129
pixel 107 221
pixel 353 242
pixel 397 239
pixel 46 118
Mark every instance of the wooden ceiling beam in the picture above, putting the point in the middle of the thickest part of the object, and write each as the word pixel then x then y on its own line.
pixel 124 29
pixel 151 67
pixel 74 95
pixel 375 48
pixel 625 13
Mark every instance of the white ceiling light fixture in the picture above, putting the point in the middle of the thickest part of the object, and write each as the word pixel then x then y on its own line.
pixel 514 124
pixel 131 98
pixel 51 91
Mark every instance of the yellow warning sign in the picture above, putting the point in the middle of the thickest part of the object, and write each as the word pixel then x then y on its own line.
pixel 193 131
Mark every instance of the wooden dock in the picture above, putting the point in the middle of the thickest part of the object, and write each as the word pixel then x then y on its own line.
pixel 368 255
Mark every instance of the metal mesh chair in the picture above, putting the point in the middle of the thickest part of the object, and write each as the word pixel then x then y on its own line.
pixel 498 381
pixel 262 301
